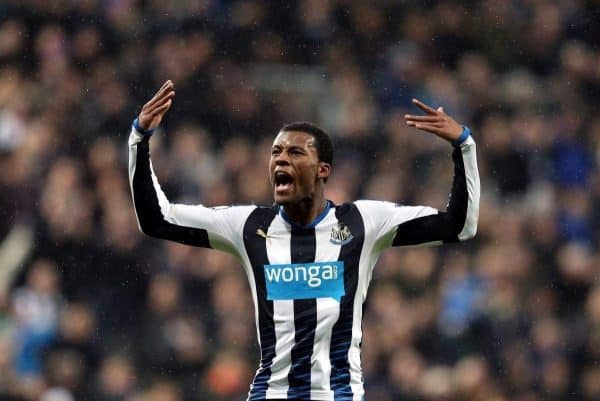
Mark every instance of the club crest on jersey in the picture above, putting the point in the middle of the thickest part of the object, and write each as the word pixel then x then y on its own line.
pixel 340 234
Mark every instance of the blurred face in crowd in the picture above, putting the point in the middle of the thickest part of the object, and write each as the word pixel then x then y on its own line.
pixel 294 167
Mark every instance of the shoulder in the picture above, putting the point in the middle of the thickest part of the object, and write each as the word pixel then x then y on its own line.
pixel 260 215
pixel 374 203
pixel 367 206
pixel 233 208
pixel 232 215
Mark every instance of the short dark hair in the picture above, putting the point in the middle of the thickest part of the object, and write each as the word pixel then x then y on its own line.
pixel 323 141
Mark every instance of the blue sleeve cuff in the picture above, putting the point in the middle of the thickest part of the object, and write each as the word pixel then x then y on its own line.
pixel 144 132
pixel 463 136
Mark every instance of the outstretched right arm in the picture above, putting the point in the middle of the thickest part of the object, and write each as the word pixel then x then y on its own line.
pixel 197 225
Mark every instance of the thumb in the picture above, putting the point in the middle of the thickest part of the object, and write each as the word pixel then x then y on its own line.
pixel 440 109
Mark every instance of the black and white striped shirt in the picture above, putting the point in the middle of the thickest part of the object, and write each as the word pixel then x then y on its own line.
pixel 308 282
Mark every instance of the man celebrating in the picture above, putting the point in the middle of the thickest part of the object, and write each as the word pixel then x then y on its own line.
pixel 308 261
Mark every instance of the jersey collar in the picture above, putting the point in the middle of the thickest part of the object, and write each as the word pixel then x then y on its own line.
pixel 312 224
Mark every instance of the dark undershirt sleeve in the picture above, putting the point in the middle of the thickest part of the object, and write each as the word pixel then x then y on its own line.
pixel 459 221
pixel 147 206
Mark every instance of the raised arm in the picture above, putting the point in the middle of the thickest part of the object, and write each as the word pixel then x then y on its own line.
pixel 398 225
pixel 188 224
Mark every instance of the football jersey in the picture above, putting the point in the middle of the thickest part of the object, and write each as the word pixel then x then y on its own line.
pixel 308 282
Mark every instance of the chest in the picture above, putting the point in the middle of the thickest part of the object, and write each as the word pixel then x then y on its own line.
pixel 324 243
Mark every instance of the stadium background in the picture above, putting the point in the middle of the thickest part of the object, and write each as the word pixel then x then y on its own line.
pixel 91 309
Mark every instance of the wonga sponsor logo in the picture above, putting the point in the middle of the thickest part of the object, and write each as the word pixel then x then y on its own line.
pixel 305 280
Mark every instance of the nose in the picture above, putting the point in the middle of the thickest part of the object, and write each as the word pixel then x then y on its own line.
pixel 282 159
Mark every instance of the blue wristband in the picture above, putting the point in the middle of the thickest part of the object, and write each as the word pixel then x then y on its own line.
pixel 466 132
pixel 144 132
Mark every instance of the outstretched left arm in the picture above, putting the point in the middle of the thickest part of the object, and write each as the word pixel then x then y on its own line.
pixel 399 225
pixel 459 221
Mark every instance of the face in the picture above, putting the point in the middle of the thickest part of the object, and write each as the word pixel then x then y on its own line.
pixel 295 171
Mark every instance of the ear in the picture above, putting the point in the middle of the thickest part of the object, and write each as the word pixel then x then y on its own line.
pixel 324 170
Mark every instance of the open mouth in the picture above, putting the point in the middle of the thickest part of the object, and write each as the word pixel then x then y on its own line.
pixel 283 181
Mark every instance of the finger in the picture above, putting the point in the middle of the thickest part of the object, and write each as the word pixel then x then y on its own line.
pixel 424 107
pixel 410 117
pixel 159 102
pixel 428 127
pixel 162 87
pixel 160 94
pixel 440 109
pixel 161 110
pixel 431 127
pixel 168 84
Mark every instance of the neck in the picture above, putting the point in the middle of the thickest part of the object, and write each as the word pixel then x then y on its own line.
pixel 305 211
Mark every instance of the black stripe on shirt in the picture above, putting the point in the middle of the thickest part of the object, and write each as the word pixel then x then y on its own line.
pixel 303 249
pixel 147 207
pixel 341 336
pixel 444 226
pixel 256 249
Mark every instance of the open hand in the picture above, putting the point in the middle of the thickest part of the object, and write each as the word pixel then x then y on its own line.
pixel 435 121
pixel 154 110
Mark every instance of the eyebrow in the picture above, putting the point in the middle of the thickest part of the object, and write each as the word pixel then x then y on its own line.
pixel 290 147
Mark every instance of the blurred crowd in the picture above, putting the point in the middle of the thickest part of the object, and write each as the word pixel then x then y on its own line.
pixel 90 309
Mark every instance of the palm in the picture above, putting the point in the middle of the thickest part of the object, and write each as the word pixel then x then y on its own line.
pixel 155 121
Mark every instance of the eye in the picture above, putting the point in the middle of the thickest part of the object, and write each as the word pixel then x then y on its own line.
pixel 275 151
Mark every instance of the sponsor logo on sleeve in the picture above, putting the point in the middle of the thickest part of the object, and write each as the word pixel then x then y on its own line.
pixel 305 280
